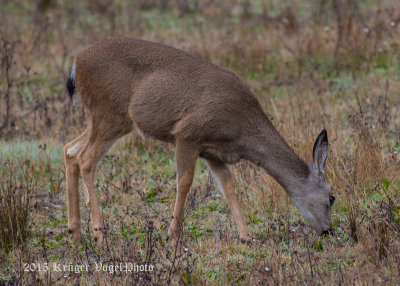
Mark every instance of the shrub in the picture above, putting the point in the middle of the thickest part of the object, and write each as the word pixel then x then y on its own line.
pixel 14 205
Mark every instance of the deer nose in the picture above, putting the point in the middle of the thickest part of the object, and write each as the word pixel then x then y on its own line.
pixel 329 231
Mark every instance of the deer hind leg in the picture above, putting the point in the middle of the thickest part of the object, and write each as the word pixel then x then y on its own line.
pixel 225 182
pixel 96 146
pixel 72 185
pixel 186 155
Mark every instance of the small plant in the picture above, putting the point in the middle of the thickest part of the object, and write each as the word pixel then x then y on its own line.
pixel 7 58
pixel 14 206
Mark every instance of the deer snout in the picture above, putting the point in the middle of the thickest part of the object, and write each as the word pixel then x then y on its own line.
pixel 329 231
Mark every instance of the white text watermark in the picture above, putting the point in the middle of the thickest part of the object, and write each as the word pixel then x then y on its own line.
pixel 123 267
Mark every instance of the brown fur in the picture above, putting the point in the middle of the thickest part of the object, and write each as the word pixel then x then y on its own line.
pixel 173 96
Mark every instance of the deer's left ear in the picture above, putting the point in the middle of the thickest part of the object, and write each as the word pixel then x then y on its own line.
pixel 320 152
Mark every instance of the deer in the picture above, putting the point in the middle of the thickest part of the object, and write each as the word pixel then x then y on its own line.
pixel 205 110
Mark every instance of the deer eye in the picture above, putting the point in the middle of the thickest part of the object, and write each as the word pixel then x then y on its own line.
pixel 331 200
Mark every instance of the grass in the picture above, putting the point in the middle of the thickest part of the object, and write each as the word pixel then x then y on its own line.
pixel 305 78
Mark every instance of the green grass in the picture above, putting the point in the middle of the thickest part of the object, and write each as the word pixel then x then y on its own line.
pixel 136 180
pixel 34 151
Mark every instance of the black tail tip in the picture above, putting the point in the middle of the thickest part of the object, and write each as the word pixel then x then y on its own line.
pixel 70 87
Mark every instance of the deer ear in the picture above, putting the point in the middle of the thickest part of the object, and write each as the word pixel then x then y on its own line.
pixel 320 152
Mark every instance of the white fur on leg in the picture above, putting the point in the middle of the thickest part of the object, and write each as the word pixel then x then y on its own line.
pixel 87 197
pixel 216 179
pixel 73 151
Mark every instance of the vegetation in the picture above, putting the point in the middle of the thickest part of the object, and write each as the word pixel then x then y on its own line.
pixel 313 64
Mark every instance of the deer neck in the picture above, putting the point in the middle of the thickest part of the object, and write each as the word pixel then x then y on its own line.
pixel 269 150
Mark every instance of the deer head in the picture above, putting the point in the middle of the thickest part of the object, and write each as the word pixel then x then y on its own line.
pixel 314 199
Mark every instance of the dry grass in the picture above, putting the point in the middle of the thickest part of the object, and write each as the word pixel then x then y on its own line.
pixel 312 64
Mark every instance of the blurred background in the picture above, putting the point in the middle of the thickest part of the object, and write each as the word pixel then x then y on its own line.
pixel 323 45
pixel 312 64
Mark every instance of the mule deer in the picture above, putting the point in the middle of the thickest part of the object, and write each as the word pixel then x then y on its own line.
pixel 205 110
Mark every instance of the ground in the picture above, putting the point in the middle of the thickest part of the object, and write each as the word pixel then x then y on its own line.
pixel 312 65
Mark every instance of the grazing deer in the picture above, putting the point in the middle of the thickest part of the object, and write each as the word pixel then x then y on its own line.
pixel 205 110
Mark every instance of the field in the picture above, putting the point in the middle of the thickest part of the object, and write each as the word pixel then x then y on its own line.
pixel 312 64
